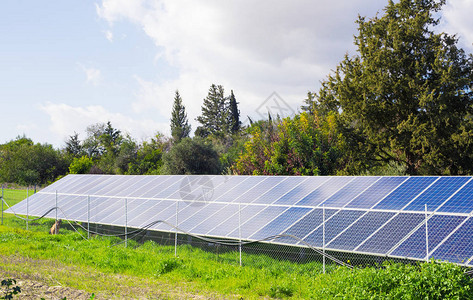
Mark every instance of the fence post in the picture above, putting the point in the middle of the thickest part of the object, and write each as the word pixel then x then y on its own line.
pixel 239 229
pixel 177 225
pixel 426 236
pixel 88 217
pixel 126 222
pixel 27 205
pixel 56 206
pixel 323 237
pixel 2 203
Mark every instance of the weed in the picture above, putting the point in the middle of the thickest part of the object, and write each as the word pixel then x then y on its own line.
pixel 9 288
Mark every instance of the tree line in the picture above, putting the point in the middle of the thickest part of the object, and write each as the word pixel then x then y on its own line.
pixel 402 105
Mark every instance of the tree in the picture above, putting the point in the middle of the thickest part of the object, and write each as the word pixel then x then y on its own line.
pixel 406 96
pixel 234 114
pixel 214 118
pixel 192 156
pixel 304 145
pixel 73 145
pixel 180 127
pixel 24 162
pixel 149 156
pixel 81 165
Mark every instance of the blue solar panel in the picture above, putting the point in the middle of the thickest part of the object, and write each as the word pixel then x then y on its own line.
pixel 458 248
pixel 174 186
pixel 258 190
pixel 350 191
pixel 360 230
pixel 232 221
pixel 85 186
pixel 389 235
pixel 157 184
pixel 333 227
pixel 143 184
pixel 307 224
pixel 324 191
pixel 254 223
pixel 205 220
pixel 204 223
pixel 280 190
pixel 437 193
pixel 376 192
pixel 241 188
pixel 226 185
pixel 405 193
pixel 461 202
pixel 194 188
pixel 302 190
pixel 121 185
pixel 439 227
pixel 281 223
pixel 367 214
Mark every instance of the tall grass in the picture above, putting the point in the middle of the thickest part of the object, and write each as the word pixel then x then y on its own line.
pixel 262 276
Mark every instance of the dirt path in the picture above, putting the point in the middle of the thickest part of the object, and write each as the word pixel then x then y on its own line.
pixel 51 280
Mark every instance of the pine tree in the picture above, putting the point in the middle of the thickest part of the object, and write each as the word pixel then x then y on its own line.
pixel 214 118
pixel 234 114
pixel 180 127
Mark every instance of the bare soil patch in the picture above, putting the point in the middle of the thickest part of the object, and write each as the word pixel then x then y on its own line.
pixel 51 280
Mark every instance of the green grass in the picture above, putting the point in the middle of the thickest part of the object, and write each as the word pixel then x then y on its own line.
pixel 205 272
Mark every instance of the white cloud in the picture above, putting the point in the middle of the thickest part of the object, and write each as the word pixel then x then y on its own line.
pixel 109 35
pixel 66 119
pixel 457 20
pixel 252 47
pixel 93 75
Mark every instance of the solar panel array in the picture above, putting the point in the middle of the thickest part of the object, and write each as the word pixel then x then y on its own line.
pixel 377 215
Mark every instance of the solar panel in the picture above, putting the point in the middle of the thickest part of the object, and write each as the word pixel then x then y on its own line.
pixel 376 215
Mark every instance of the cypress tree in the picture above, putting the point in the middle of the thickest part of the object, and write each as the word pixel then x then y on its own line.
pixel 234 114
pixel 180 127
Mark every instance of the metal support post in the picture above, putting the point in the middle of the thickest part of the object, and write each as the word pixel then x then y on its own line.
pixel 239 228
pixel 27 206
pixel 177 225
pixel 126 223
pixel 426 236
pixel 323 237
pixel 88 217
pixel 2 203
pixel 56 206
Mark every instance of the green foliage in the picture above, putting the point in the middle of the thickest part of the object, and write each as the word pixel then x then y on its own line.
pixel 406 97
pixel 149 156
pixel 9 288
pixel 215 114
pixel 192 156
pixel 168 265
pixel 26 163
pixel 304 145
pixel 81 165
pixel 74 146
pixel 180 127
pixel 402 281
pixel 234 114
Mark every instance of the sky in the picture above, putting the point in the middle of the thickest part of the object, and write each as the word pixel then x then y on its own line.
pixel 66 65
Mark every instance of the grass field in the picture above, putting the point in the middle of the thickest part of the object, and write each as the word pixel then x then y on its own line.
pixel 196 272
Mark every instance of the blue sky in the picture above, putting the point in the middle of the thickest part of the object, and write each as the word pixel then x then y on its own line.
pixel 65 65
